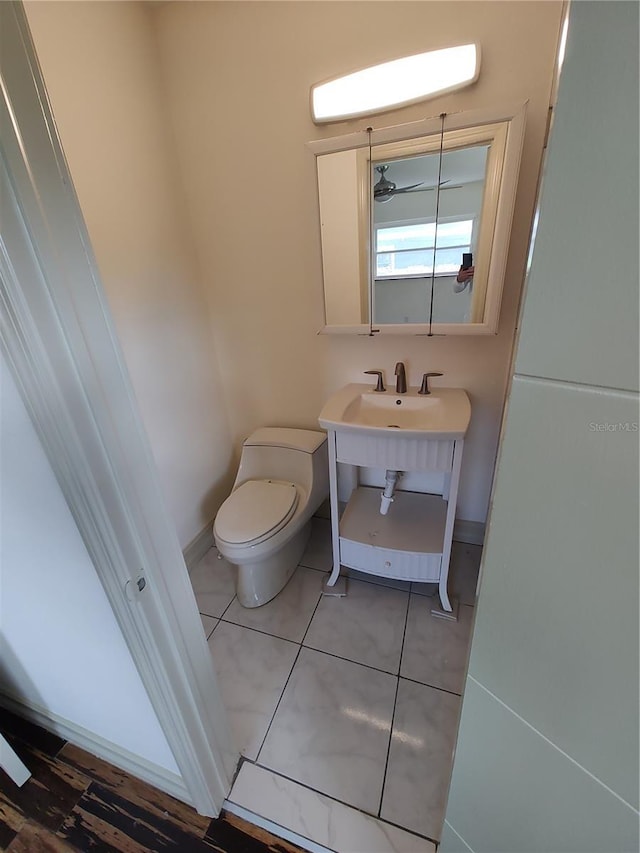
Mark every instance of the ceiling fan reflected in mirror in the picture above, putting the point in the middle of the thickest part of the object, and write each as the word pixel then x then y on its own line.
pixel 385 190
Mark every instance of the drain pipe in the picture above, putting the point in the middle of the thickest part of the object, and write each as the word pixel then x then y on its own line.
pixel 390 481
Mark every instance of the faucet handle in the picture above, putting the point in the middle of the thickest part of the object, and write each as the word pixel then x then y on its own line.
pixel 380 383
pixel 424 388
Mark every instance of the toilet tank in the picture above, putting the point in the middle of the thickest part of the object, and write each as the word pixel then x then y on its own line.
pixel 296 455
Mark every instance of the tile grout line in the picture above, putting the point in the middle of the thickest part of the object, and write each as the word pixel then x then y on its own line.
pixel 210 615
pixel 301 644
pixel 333 799
pixel 386 763
pixel 281 825
pixel 275 711
pixel 364 578
pixel 304 636
pixel 257 631
pixel 324 651
pixel 228 605
pixel 217 618
pixel 431 686
pixel 395 702
pixel 313 568
pixel 555 746
pixel 334 654
pixel 350 660
pixel 262 630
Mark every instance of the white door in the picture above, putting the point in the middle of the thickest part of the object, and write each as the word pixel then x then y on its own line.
pixel 61 346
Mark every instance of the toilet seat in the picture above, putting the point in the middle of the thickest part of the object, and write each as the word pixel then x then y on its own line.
pixel 255 511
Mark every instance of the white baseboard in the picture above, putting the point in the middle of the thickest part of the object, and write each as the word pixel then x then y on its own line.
pixel 159 777
pixel 198 547
pixel 469 532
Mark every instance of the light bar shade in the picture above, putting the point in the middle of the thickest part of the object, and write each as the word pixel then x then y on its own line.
pixel 395 83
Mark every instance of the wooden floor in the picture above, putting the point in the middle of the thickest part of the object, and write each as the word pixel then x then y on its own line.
pixel 76 802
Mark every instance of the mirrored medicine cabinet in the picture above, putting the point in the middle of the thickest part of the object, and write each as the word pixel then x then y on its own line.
pixel 403 208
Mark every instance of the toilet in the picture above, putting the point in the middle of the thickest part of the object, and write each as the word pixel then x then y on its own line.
pixel 263 526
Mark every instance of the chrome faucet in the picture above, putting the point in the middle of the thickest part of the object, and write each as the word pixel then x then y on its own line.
pixel 401 381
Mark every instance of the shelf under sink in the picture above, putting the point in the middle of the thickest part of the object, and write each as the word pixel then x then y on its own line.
pixel 415 521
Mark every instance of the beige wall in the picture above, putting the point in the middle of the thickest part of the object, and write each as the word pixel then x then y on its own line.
pixel 99 64
pixel 230 89
pixel 237 78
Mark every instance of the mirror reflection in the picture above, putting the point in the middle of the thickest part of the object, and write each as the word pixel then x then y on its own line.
pixel 426 216
pixel 415 228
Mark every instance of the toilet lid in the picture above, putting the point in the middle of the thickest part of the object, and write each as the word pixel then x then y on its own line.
pixel 255 510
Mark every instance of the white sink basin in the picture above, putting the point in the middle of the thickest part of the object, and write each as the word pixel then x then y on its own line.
pixel 443 414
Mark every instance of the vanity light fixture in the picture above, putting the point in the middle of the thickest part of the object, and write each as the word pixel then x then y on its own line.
pixel 396 83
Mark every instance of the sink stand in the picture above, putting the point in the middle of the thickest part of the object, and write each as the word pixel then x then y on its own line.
pixel 413 541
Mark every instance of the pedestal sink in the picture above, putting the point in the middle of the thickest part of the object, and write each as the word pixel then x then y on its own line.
pixel 444 413
pixel 400 433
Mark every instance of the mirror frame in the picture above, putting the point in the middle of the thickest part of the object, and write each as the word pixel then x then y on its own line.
pixel 507 127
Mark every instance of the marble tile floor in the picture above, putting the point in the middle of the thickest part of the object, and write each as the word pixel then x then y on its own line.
pixel 356 699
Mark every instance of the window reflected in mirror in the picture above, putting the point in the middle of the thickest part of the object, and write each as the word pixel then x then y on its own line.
pixel 416 255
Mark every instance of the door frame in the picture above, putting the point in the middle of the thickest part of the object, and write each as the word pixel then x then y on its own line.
pixel 61 345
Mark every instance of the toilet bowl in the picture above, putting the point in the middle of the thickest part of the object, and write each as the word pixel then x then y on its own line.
pixel 264 525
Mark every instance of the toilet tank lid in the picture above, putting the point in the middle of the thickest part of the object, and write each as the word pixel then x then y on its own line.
pixel 307 440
